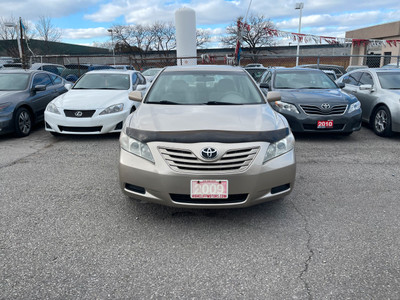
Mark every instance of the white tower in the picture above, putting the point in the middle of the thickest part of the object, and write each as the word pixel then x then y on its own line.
pixel 186 48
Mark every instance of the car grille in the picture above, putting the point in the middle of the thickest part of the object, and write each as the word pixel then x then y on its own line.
pixel 186 160
pixel 81 129
pixel 317 110
pixel 85 113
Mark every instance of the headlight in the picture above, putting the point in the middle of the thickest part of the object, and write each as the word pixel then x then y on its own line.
pixel 51 107
pixel 3 106
pixel 279 148
pixel 135 147
pixel 113 109
pixel 356 105
pixel 286 106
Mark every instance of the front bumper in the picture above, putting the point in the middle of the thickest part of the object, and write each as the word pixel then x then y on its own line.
pixel 308 123
pixel 6 123
pixel 159 183
pixel 97 124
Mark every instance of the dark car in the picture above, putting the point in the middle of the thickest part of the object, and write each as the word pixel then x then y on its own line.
pixel 312 102
pixel 256 72
pixel 73 71
pixel 339 70
pixel 24 95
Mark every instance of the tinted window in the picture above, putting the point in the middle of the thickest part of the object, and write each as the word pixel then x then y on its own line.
pixel 389 80
pixel 302 80
pixel 134 79
pixel 366 78
pixel 51 69
pixel 56 79
pixel 41 79
pixel 352 78
pixel 103 81
pixel 142 80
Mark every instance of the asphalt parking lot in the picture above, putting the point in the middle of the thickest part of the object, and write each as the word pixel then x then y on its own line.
pixel 68 232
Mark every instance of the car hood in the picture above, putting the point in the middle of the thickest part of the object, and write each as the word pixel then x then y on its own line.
pixel 239 118
pixel 90 99
pixel 305 96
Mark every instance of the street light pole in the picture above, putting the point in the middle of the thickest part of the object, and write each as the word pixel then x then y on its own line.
pixel 299 6
pixel 112 42
pixel 15 26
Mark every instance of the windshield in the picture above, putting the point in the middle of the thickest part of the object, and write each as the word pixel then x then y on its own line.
pixel 13 82
pixel 103 81
pixel 151 72
pixel 389 80
pixel 256 73
pixel 303 80
pixel 204 88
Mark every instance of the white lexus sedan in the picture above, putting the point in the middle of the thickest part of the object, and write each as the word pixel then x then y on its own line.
pixel 98 103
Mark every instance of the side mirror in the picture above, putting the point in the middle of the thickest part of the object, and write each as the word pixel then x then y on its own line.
pixel 39 87
pixel 135 96
pixel 68 86
pixel 366 87
pixel 264 85
pixel 341 85
pixel 273 96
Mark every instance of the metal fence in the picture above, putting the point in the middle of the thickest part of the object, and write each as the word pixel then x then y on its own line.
pixel 142 63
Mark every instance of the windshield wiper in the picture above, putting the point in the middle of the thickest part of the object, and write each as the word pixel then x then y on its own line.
pixel 220 103
pixel 311 88
pixel 164 102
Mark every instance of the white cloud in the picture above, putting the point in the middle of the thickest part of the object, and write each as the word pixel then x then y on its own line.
pixel 84 33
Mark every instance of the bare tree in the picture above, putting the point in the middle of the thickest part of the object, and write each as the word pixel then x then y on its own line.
pixel 47 31
pixel 202 37
pixel 163 36
pixel 254 33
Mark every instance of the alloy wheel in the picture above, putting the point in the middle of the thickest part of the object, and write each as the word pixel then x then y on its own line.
pixel 24 122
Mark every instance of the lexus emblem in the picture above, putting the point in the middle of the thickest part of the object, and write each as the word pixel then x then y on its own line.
pixel 209 153
pixel 78 114
pixel 325 106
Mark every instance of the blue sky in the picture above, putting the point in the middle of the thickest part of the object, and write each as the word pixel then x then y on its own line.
pixel 86 21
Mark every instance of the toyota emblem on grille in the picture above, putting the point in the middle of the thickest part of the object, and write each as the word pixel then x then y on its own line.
pixel 325 106
pixel 78 114
pixel 209 153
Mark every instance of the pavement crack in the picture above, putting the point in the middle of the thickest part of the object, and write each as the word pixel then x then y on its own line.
pixel 22 159
pixel 310 253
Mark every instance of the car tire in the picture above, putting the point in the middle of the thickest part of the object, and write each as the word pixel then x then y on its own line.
pixel 23 122
pixel 382 121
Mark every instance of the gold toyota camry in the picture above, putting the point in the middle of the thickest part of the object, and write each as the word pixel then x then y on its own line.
pixel 206 137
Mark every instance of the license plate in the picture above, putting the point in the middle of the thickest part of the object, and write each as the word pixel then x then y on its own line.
pixel 325 124
pixel 209 189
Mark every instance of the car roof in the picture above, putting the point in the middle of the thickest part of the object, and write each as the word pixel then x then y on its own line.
pixel 204 68
pixel 112 71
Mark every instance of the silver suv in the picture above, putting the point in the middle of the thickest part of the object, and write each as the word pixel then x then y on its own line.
pixel 205 137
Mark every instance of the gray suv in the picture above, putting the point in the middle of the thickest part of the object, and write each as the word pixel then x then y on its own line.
pixel 205 137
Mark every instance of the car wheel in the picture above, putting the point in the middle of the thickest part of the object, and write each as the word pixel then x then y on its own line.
pixel 382 121
pixel 23 122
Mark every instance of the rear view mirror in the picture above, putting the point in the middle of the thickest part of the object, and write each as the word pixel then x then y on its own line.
pixel 341 85
pixel 39 87
pixel 135 96
pixel 273 96
pixel 366 87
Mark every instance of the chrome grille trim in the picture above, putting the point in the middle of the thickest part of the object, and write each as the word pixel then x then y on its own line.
pixel 185 160
pixel 316 110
